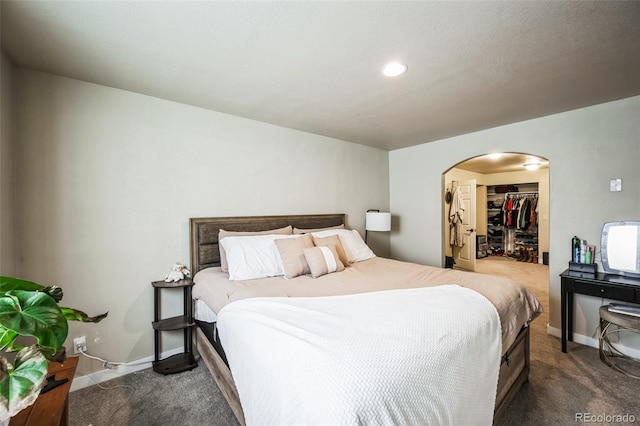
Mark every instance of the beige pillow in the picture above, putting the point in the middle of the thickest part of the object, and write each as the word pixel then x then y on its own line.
pixel 323 260
pixel 293 261
pixel 287 230
pixel 308 231
pixel 332 240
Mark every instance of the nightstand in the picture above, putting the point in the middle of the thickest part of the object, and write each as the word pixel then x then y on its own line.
pixel 182 361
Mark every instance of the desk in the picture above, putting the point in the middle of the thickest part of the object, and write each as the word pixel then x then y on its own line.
pixel 608 286
pixel 51 408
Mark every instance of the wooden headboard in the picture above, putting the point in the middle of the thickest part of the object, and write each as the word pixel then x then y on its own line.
pixel 204 232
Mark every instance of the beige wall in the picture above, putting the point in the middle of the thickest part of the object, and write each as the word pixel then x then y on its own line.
pixel 585 147
pixel 482 217
pixel 7 187
pixel 107 181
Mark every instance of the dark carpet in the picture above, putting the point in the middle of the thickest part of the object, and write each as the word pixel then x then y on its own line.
pixel 146 398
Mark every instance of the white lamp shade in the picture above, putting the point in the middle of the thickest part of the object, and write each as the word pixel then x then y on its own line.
pixel 378 221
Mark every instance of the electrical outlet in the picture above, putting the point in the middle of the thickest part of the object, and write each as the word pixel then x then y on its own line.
pixel 79 344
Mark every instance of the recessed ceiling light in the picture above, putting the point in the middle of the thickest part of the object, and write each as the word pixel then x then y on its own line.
pixel 494 155
pixel 532 166
pixel 394 69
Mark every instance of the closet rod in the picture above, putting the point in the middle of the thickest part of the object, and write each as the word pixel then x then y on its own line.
pixel 508 194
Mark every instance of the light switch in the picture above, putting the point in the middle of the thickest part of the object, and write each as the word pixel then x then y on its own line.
pixel 615 185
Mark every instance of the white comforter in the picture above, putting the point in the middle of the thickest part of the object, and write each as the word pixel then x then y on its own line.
pixel 335 360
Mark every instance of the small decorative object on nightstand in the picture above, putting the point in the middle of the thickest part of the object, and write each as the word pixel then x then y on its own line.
pixel 178 272
pixel 186 360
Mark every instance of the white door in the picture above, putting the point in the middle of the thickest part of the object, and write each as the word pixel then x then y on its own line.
pixel 465 256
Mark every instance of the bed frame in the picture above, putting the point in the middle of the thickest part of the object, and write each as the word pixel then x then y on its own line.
pixel 514 367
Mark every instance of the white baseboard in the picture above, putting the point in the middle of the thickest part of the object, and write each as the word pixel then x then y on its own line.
pixel 593 342
pixel 81 382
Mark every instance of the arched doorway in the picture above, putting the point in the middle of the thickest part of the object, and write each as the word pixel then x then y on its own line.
pixel 487 182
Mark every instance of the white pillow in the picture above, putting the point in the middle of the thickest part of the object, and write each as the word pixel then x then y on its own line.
pixel 352 242
pixel 255 256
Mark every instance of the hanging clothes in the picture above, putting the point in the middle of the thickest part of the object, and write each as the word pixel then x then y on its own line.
pixel 456 214
pixel 509 210
pixel 505 210
pixel 525 214
pixel 533 219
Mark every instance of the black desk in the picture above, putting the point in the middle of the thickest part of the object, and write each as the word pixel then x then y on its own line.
pixel 608 286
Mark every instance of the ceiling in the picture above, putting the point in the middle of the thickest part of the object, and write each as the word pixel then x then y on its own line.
pixel 507 162
pixel 315 66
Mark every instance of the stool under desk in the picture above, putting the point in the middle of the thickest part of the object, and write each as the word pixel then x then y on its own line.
pixel 608 286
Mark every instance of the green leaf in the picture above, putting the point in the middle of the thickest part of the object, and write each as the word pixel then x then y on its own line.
pixel 7 338
pixel 10 283
pixel 20 384
pixel 35 314
pixel 75 315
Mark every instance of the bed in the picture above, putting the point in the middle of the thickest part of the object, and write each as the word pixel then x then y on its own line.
pixel 229 312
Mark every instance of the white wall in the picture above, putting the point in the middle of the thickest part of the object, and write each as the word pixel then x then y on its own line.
pixel 107 181
pixel 586 148
pixel 7 187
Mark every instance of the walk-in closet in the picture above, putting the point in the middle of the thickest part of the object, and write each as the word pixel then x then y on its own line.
pixel 512 222
pixel 505 210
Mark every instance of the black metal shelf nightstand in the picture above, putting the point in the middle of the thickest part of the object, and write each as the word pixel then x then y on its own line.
pixel 183 361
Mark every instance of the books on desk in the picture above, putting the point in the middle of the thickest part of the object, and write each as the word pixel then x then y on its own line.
pixel 625 309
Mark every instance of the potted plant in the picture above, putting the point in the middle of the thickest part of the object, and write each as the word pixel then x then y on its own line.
pixel 30 311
